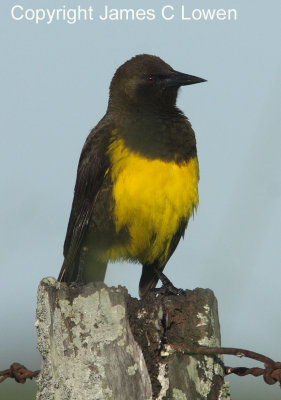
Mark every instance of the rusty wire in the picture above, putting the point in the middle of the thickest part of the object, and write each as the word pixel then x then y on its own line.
pixel 271 373
pixel 18 372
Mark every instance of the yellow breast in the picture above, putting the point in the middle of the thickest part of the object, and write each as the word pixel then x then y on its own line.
pixel 151 198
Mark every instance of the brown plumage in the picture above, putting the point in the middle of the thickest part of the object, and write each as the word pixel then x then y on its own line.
pixel 143 117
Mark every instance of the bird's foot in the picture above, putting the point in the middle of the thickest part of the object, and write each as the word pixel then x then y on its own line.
pixel 171 289
pixel 168 288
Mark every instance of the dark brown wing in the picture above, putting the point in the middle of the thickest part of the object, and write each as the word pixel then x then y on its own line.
pixel 92 167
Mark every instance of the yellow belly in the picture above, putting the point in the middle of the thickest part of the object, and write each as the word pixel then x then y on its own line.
pixel 151 198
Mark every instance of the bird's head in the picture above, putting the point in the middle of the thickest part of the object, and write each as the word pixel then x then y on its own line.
pixel 146 80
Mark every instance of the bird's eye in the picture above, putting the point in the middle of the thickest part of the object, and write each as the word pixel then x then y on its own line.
pixel 150 78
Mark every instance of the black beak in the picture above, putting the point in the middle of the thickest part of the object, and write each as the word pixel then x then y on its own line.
pixel 178 79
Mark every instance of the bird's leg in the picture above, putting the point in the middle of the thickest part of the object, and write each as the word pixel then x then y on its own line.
pixel 168 287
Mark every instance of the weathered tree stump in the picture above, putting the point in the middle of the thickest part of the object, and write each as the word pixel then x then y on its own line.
pixel 99 343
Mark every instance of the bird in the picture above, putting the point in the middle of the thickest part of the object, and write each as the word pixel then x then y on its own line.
pixel 137 178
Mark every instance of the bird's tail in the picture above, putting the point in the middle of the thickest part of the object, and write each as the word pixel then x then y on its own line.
pixel 87 268
pixel 62 274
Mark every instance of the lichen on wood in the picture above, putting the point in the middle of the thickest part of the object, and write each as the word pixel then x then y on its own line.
pixel 100 343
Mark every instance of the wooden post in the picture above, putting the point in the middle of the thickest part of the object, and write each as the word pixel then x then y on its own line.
pixel 99 343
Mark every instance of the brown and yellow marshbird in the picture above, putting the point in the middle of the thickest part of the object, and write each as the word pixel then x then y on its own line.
pixel 137 177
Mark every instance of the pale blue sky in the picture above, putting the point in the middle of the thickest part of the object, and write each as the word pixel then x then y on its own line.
pixel 54 89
